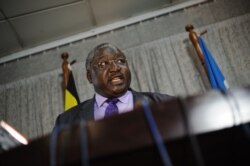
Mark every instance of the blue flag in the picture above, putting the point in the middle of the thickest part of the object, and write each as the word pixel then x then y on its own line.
pixel 216 77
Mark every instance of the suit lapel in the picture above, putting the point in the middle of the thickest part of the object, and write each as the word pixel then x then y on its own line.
pixel 87 110
pixel 137 98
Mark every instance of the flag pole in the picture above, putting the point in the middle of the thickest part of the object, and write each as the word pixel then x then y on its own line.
pixel 213 72
pixel 71 97
pixel 194 39
pixel 65 69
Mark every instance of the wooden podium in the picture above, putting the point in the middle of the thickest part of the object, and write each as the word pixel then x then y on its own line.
pixel 218 123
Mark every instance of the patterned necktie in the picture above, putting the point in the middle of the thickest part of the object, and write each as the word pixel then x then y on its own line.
pixel 112 108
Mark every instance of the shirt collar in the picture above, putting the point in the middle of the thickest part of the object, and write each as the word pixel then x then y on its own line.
pixel 100 100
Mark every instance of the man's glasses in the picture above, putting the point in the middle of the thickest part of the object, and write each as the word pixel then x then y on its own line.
pixel 105 64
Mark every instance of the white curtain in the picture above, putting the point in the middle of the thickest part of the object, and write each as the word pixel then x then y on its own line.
pixel 168 65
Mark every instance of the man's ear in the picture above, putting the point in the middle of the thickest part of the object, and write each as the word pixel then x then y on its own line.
pixel 89 77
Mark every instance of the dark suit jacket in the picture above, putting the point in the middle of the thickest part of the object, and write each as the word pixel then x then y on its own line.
pixel 85 110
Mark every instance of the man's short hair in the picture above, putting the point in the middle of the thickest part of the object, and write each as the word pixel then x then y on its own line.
pixel 99 49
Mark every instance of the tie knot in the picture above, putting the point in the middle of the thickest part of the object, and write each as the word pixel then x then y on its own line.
pixel 112 100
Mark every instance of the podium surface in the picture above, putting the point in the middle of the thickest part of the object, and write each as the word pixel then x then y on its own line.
pixel 217 124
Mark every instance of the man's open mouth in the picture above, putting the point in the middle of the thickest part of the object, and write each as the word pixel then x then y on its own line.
pixel 117 80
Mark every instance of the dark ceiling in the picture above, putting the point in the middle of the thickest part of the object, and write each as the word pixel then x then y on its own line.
pixel 28 23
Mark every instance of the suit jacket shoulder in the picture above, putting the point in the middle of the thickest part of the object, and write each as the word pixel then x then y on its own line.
pixel 150 96
pixel 83 111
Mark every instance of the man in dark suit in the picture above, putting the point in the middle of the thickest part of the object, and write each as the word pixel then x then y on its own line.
pixel 108 71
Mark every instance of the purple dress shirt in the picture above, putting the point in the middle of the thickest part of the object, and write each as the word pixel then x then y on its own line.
pixel 125 104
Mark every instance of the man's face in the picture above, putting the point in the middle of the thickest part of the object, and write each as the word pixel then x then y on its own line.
pixel 109 73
